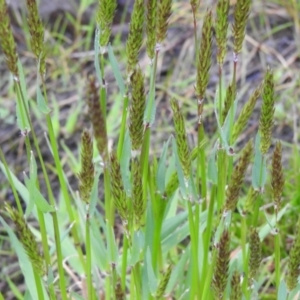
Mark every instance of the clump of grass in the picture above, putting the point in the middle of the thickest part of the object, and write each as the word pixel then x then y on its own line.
pixel 155 252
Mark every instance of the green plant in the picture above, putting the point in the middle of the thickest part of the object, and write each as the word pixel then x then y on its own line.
pixel 178 211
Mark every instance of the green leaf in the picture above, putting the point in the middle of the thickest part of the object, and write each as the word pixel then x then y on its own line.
pixel 43 107
pixel 259 170
pixel 149 115
pixel 138 245
pixel 152 280
pixel 112 248
pixel 178 270
pixel 94 194
pixel 14 289
pixel 282 291
pixel 161 169
pixel 22 121
pixel 171 224
pixel 116 70
pixel 176 237
pixel 37 197
pixel 20 187
pixel 76 296
pixel 32 168
pixel 72 120
pixel 99 252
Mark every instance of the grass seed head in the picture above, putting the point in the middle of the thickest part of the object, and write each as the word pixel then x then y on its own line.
pixel 255 255
pixel 181 139
pixel 204 59
pixel 104 17
pixel 267 112
pixel 36 29
pixel 236 289
pixel 245 114
pixel 151 20
pixel 277 180
pixel 135 36
pixel 229 99
pixel 163 283
pixel 137 108
pixel 294 262
pixel 251 197
pixel 237 177
pixel 97 117
pixel 222 265
pixel 172 185
pixel 87 173
pixel 27 239
pixel 139 203
pixel 163 15
pixel 241 13
pixel 117 188
pixel 221 29
pixel 7 41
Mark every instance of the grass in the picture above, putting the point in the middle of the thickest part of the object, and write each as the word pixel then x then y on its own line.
pixel 196 214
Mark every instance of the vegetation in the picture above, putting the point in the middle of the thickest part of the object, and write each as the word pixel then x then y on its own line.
pixel 194 221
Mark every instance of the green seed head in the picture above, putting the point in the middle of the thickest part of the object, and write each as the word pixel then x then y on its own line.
pixel 7 41
pixel 86 175
pixel 267 112
pixel 27 239
pixel 135 36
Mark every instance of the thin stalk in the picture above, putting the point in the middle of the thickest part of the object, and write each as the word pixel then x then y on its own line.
pixel 258 200
pixel 194 291
pixel 201 164
pixel 222 166
pixel 222 157
pixel 38 285
pixel 246 257
pixel 277 261
pixel 88 256
pixel 124 262
pixel 206 240
pixel 137 282
pixel 156 250
pixel 207 286
pixel 62 282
